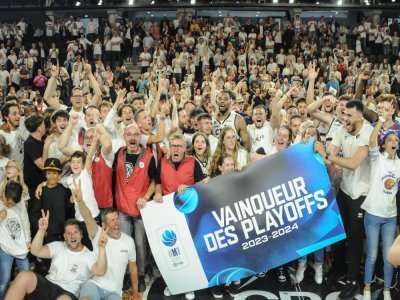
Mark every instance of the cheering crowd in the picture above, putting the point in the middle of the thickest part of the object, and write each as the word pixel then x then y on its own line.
pixel 84 145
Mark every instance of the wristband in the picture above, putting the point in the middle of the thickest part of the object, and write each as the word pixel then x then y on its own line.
pixel 382 119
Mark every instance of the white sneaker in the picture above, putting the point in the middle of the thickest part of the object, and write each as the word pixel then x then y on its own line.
pixel 367 295
pixel 189 296
pixel 318 273
pixel 167 292
pixel 301 268
pixel 386 295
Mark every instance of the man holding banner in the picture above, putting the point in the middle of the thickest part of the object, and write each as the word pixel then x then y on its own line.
pixel 210 234
pixel 353 140
pixel 176 174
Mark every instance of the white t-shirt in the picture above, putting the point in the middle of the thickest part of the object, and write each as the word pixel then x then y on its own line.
pixel 87 193
pixel 119 253
pixel 15 230
pixel 355 183
pixel 70 269
pixel 4 75
pixel 385 173
pixel 260 136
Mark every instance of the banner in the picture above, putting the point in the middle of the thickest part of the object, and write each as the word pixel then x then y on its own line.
pixel 242 223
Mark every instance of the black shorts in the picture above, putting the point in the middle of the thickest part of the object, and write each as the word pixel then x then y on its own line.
pixel 48 290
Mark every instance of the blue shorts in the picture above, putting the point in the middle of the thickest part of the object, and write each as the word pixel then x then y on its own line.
pixel 94 292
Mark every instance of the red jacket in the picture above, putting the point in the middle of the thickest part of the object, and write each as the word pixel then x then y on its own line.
pixel 102 182
pixel 171 178
pixel 128 191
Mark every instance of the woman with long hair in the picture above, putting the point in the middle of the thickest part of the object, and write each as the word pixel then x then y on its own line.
pixel 15 172
pixel 200 150
pixel 228 144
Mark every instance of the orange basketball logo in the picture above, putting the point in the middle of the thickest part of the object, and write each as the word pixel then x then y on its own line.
pixel 389 183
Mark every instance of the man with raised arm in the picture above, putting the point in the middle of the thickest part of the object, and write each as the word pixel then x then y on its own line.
pixel 71 265
pixel 120 251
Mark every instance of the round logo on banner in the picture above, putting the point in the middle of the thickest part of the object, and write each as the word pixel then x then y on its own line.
pixel 186 202
pixel 96 159
pixel 141 165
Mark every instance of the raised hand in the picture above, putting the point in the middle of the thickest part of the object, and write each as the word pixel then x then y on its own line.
pixel 121 97
pixel 44 220
pixel 103 239
pixel 164 109
pixel 87 68
pixel 74 118
pixel 387 112
pixel 77 192
pixel 312 73
pixel 55 71
pixel 364 75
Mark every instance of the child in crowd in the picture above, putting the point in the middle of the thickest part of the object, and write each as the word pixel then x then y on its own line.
pixel 15 234
pixel 55 199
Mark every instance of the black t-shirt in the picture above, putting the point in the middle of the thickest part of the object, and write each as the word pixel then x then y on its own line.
pixel 56 201
pixel 130 164
pixel 198 172
pixel 33 149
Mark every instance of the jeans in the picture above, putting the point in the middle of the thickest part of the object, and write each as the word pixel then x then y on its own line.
pixel 128 225
pixel 386 227
pixel 6 262
pixel 94 292
pixel 318 257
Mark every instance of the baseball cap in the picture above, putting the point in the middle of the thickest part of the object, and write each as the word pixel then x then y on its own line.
pixel 387 134
pixel 52 164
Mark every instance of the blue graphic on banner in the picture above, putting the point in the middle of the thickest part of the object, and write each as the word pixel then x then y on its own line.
pixel 186 202
pixel 169 238
pixel 272 212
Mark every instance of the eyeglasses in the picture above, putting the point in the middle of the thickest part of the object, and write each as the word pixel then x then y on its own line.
pixel 176 146
pixel 392 140
pixel 132 135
